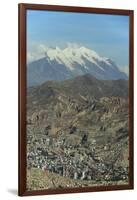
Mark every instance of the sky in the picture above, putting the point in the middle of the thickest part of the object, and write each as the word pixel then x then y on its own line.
pixel 108 35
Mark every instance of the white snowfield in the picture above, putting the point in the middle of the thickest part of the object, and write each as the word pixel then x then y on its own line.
pixel 70 56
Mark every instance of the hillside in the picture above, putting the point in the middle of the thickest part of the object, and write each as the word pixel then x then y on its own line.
pixel 85 86
pixel 78 129
pixel 39 180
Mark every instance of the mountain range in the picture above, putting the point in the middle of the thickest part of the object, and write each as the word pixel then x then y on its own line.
pixel 79 88
pixel 70 62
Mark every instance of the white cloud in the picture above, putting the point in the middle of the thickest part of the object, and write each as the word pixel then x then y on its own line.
pixel 125 69
pixel 72 45
pixel 36 52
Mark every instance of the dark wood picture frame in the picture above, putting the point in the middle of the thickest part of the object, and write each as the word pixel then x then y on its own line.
pixel 22 98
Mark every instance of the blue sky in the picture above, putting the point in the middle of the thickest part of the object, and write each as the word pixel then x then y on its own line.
pixel 108 35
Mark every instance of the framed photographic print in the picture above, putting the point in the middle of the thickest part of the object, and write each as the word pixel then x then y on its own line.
pixel 75 99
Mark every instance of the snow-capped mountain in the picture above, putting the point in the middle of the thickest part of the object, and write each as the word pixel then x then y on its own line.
pixel 61 64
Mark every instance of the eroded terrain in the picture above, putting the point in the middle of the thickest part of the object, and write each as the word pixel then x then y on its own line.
pixel 77 134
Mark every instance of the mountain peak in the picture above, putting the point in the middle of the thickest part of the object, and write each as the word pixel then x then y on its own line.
pixel 71 55
pixel 71 61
